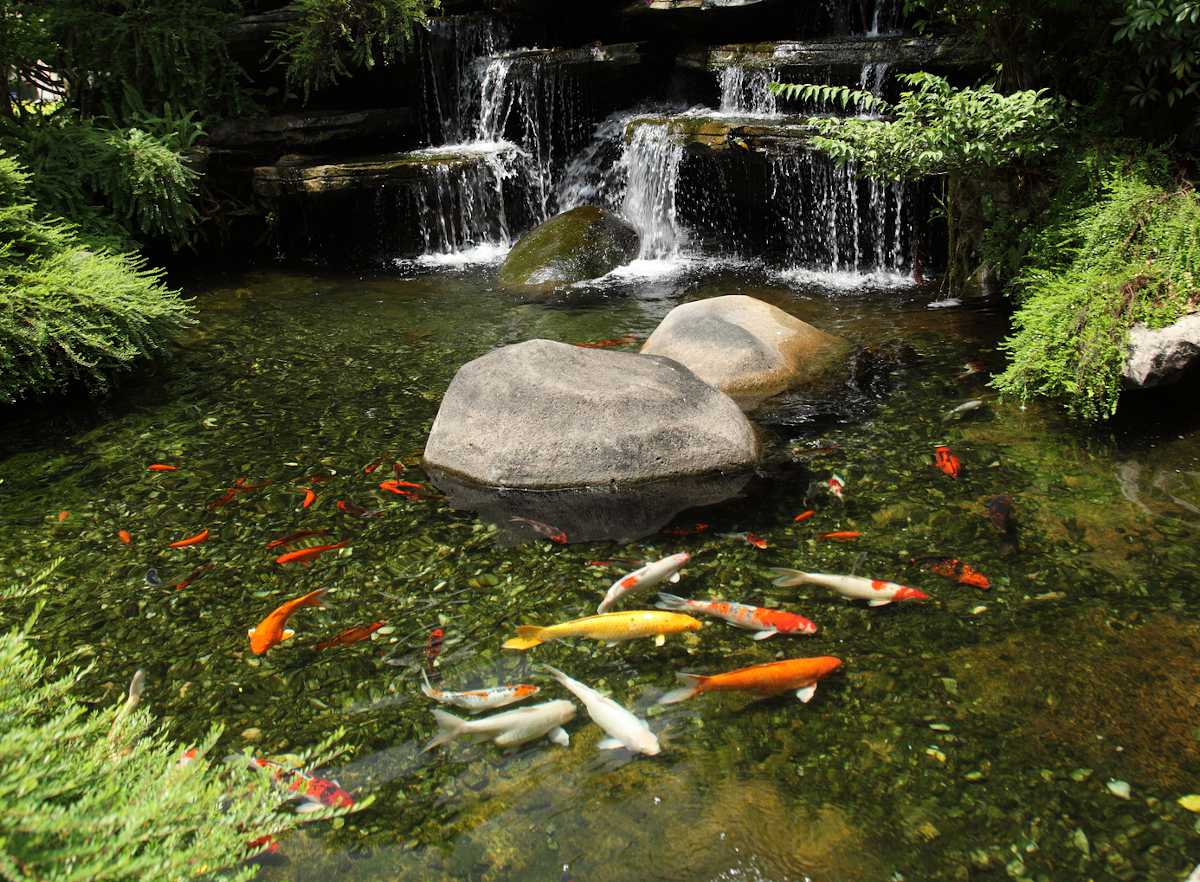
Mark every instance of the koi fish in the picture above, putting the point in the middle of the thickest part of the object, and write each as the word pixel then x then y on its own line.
pixel 803 516
pixel 837 485
pixel 309 497
pixel 946 461
pixel 397 487
pixel 160 467
pixel 622 728
pixel 764 622
pixel 552 533
pixel 351 635
pixel 479 699
pixel 294 537
pixel 875 591
pixel 190 540
pixel 306 555
pixel 63 515
pixel 960 572
pixel 801 674
pixel 508 728
pixel 372 467
pixel 970 368
pixel 433 646
pixel 357 511
pixel 194 575
pixel 271 630
pixel 963 409
pixel 644 578
pixel 839 536
pixel 239 486
pixel 312 792
pixel 611 627
pixel 685 531
pixel 627 340
pixel 124 536
pixel 749 538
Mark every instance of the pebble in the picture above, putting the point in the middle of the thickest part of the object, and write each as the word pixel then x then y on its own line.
pixel 1119 789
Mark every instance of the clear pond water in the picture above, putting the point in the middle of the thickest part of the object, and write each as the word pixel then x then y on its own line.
pixel 972 737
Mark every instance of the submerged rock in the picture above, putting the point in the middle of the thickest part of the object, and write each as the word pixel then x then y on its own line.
pixel 580 244
pixel 748 349
pixel 1160 357
pixel 544 415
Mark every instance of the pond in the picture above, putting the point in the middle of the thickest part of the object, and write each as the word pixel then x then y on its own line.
pixel 985 734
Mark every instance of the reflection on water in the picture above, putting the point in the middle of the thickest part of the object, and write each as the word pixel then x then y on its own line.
pixel 970 737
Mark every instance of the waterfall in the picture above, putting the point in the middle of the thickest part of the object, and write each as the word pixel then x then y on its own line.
pixel 873 79
pixel 885 18
pixel 744 91
pixel 650 164
pixel 449 53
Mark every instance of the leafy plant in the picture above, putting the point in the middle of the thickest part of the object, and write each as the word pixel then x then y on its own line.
pixel 1166 36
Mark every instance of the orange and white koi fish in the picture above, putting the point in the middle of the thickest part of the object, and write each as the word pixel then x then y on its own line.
pixel 839 536
pixel 749 538
pixel 351 635
pixel 160 467
pixel 295 537
pixel 307 555
pixel 190 540
pixel 610 627
pixel 271 630
pixel 946 461
pixel 836 485
pixel 875 591
pixel 801 674
pixel 804 516
pixel 961 572
pixel 644 578
pixel 125 537
pixel 478 700
pixel 764 622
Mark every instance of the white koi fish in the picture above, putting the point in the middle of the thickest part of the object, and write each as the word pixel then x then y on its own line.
pixel 646 577
pixel 622 728
pixel 509 728
pixel 964 408
pixel 478 700
pixel 875 591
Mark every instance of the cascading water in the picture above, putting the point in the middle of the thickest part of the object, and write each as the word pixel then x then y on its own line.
pixel 650 168
pixel 744 91
pixel 450 50
pixel 873 79
pixel 884 19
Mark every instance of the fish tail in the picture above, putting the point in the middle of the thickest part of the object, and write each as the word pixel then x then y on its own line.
pixel 528 636
pixel 313 598
pixel 449 728
pixel 787 578
pixel 670 601
pixel 695 685
pixel 426 687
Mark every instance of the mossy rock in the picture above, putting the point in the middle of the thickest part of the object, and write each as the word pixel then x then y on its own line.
pixel 580 244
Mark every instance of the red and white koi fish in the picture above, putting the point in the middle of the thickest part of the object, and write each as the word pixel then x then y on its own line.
pixel 875 591
pixel 764 622
pixel 836 485
pixel 478 700
pixel 749 538
pixel 312 792
pixel 644 578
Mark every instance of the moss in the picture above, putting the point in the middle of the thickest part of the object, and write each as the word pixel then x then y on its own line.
pixel 583 243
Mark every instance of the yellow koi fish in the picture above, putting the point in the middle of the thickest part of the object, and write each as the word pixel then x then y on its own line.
pixel 610 627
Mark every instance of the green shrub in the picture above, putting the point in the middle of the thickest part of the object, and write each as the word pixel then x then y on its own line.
pixel 71 309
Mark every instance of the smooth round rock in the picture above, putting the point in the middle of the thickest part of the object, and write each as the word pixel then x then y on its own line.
pixel 748 349
pixel 544 415
pixel 584 243
pixel 1162 356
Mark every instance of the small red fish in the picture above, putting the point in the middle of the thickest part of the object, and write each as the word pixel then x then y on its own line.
pixel 749 538
pixel 839 536
pixel 194 575
pixel 371 468
pixel 124 536
pixel 224 499
pixel 357 511
pixel 191 540
pixel 63 515
pixel 160 467
pixel 433 647
pixel 309 497
pixel 306 555
pixel 626 340
pixel 803 516
pixel 350 635
pixel 263 845
pixel 398 487
pixel 294 537
pixel 946 461
pixel 685 531
pixel 960 572
pixel 552 533
pixel 239 486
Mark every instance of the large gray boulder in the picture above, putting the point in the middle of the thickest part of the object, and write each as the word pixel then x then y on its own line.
pixel 1160 357
pixel 580 244
pixel 543 415
pixel 748 349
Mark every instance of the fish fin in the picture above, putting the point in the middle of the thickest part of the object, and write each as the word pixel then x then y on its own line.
pixel 558 735
pixel 765 633
pixel 313 598
pixel 608 744
pixel 788 578
pixel 250 633
pixel 449 728
pixel 528 636
pixel 605 605
pixel 674 578
pixel 426 687
pixel 806 694
pixel 670 601
pixel 660 640
pixel 612 642
pixel 287 634
pixel 695 685
pixel 878 602
pixel 307 806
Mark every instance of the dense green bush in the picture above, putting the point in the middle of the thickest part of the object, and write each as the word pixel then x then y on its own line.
pixel 71 309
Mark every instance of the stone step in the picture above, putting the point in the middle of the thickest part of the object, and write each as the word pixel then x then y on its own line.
pixel 901 51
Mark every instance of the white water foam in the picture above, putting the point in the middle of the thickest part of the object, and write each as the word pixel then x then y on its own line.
pixel 487 253
pixel 843 280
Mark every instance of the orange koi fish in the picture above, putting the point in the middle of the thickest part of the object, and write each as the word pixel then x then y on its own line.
pixel 159 467
pixel 194 575
pixel 295 537
pixel 351 635
pixel 124 536
pixel 946 461
pixel 839 536
pixel 803 516
pixel 397 487
pixel 63 515
pixel 309 497
pixel 960 572
pixel 191 540
pixel 306 555
pixel 801 674
pixel 271 631
pixel 749 538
